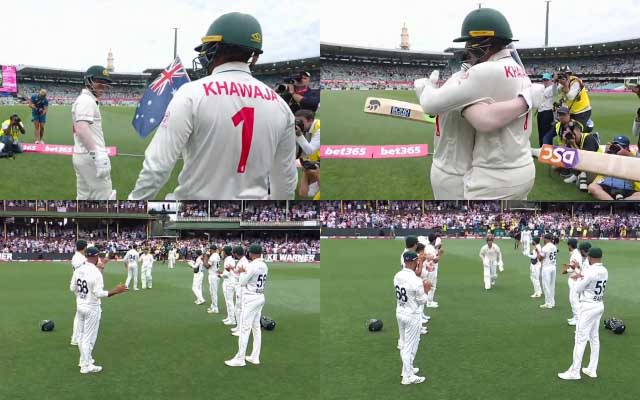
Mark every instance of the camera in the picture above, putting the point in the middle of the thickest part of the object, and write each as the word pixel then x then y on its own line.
pixel 15 119
pixel 613 148
pixel 300 124
pixel 306 164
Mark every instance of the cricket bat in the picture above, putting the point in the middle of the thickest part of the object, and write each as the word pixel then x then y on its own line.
pixel 589 161
pixel 397 109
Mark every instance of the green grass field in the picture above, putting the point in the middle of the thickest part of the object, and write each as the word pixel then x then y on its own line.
pixel 155 344
pixel 44 176
pixel 481 345
pixel 344 122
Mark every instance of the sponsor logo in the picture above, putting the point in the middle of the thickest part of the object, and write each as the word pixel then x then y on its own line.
pixel 394 151
pixel 345 151
pixel 6 257
pixel 297 258
pixel 373 105
pixel 256 37
pixel 562 157
pixel 400 112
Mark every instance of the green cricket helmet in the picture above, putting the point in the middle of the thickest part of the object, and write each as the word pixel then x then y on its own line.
pixel 485 23
pixel 232 29
pixel 97 73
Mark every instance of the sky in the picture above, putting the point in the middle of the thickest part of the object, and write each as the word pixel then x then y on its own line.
pixel 433 25
pixel 75 34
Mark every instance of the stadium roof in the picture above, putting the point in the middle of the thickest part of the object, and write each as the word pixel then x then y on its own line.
pixel 37 73
pixel 351 52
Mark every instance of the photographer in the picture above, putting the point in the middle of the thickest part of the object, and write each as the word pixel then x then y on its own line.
pixel 636 125
pixel 12 127
pixel 308 140
pixel 610 188
pixel 297 93
pixel 310 180
pixel 574 96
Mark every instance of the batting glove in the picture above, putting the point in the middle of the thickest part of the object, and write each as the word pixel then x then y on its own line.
pixel 103 165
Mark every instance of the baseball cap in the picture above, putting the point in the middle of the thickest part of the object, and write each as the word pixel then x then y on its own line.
pixel 536 239
pixel 573 242
pixel 548 236
pixel 213 247
pixel 410 241
pixel 238 250
pixel 255 249
pixel 584 246
pixel 595 252
pixel 92 251
pixel 621 140
pixel 409 256
pixel 81 244
pixel 546 76
pixel 227 250
pixel 562 110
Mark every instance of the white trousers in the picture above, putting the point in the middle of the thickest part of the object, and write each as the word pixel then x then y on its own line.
pixel 196 288
pixel 74 335
pixel 549 285
pixel 132 272
pixel 589 315
pixel 526 247
pixel 433 278
pixel 534 270
pixel 251 312
pixel 172 263
pixel 228 291
pixel 490 274
pixel 88 325
pixel 238 292
pixel 88 187
pixel 147 280
pixel 446 186
pixel 213 288
pixel 409 329
pixel 574 299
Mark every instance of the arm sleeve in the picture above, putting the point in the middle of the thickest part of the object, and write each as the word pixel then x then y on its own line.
pixel 311 100
pixel 482 253
pixel 284 175
pixel 499 254
pixel 491 117
pixel 421 296
pixel 309 147
pixel 574 89
pixel 72 283
pixel 165 148
pixel 581 284
pixel 246 276
pixel 84 111
pixel 457 93
pixel 98 287
pixel 635 129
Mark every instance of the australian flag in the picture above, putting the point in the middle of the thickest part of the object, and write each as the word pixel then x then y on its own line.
pixel 156 98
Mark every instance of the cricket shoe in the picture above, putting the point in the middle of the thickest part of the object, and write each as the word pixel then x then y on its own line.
pixel 568 375
pixel 589 373
pixel 424 330
pixel 135 288
pixel 413 379
pixel 90 369
pixel 425 319
pixel 235 362
pixel 199 302
pixel 229 322
pixel 572 321
pixel 546 306
pixel 252 360
pixel 92 362
pixel 432 304
pixel 415 371
pixel 571 179
pixel 533 296
pixel 212 310
pixel 73 343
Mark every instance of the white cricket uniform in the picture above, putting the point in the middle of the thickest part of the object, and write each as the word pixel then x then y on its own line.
pixel 525 238
pixel 501 167
pixel 237 138
pixel 410 297
pixel 229 287
pixel 432 276
pixel 214 262
pixel 549 252
pixel 534 271
pixel 198 277
pixel 574 298
pixel 77 261
pixel 453 141
pixel 88 186
pixel 147 267
pixel 242 262
pixel 252 283
pixel 131 258
pixel 172 258
pixel 591 290
pixel 88 286
pixel 491 257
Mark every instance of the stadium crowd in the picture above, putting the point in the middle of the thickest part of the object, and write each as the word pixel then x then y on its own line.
pixel 66 93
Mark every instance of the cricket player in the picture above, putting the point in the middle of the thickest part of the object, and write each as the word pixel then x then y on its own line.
pixel 491 259
pixel 198 276
pixel 590 288
pixel 525 238
pixel 39 105
pixel 147 267
pixel 253 280
pixel 214 278
pixel 548 256
pixel 411 293
pixel 77 260
pixel 131 259
pixel 495 96
pixel 236 135
pixel 410 242
pixel 435 251
pixel 572 269
pixel 242 262
pixel 535 268
pixel 88 286
pixel 90 159
pixel 228 285
pixel 173 256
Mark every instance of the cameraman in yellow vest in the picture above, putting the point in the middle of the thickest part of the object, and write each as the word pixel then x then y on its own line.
pixel 308 140
pixel 574 96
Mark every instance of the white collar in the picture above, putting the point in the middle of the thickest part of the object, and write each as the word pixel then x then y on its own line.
pixel 232 66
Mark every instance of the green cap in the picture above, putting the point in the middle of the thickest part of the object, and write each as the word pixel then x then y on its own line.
pixel 238 250
pixel 485 22
pixel 584 246
pixel 227 250
pixel 410 241
pixel 213 247
pixel 92 251
pixel 536 240
pixel 409 256
pixel 81 244
pixel 573 242
pixel 98 73
pixel 255 249
pixel 548 236
pixel 595 252
pixel 234 28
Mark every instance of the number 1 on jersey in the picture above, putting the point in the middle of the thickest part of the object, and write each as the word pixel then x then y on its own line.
pixel 245 114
